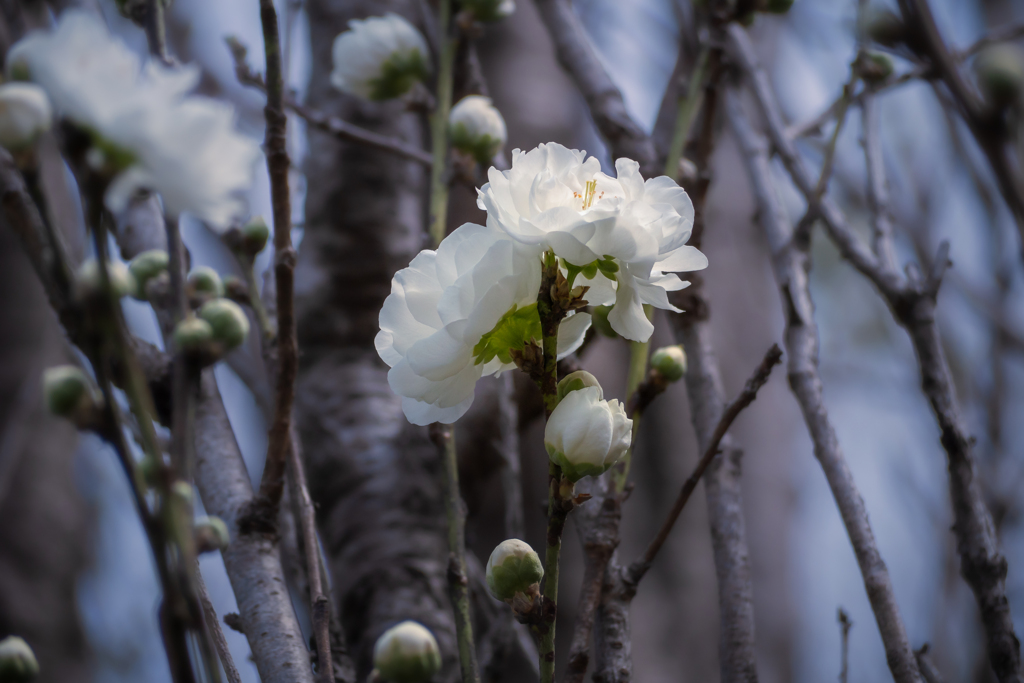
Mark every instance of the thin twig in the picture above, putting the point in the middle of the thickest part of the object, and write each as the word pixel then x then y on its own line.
pixel 216 632
pixel 844 656
pixel 439 123
pixel 637 570
pixel 688 107
pixel 276 145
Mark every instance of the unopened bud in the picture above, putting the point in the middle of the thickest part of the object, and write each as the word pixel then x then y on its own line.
pixel 489 10
pixel 229 322
pixel 577 380
pixel 586 435
pixel 255 235
pixel 670 361
pixel 883 26
pixel 203 284
pixel 407 653
pixel 25 113
pixel 477 128
pixel 17 661
pixel 211 534
pixel 89 280
pixel 874 67
pixel 146 266
pixel 70 394
pixel 1000 70
pixel 513 568
pixel 192 336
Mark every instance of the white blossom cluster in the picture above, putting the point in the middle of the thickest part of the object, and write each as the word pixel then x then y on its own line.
pixel 144 124
pixel 451 309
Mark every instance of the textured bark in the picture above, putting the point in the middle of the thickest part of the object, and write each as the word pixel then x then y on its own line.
pixel 44 540
pixel 791 261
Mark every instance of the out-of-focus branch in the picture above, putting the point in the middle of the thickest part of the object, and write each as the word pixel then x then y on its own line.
pixel 638 569
pixel 984 121
pixel 878 196
pixel 216 632
pixel 625 138
pixel 844 656
pixel 791 263
pixel 343 130
pixel 912 301
pixel 278 164
pixel 928 669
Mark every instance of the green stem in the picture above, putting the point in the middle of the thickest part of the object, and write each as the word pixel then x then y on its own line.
pixel 256 301
pixel 638 352
pixel 688 106
pixel 439 125
pixel 458 584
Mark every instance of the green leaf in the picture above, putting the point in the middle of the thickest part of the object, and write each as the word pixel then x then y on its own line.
pixel 517 327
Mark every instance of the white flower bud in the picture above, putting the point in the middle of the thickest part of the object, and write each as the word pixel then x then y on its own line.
pixel 489 10
pixel 578 380
pixel 407 653
pixel 211 534
pixel 586 435
pixel 17 661
pixel 477 128
pixel 513 568
pixel 89 280
pixel 670 361
pixel 379 58
pixel 192 336
pixel 146 266
pixel 229 322
pixel 24 113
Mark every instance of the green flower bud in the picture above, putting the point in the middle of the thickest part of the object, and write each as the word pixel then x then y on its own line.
pixel 1000 70
pixel 513 568
pixel 70 394
pixel 204 284
pixel 407 653
pixel 577 380
pixel 144 267
pixel 229 322
pixel 599 321
pixel 211 534
pixel 883 26
pixel 670 361
pixel 89 280
pixel 255 235
pixel 17 661
pixel 778 6
pixel 193 335
pixel 489 10
pixel 874 67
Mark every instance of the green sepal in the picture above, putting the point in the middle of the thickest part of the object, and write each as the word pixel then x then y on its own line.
pixel 517 327
pixel 515 575
pixel 481 147
pixel 398 74
pixel 574 472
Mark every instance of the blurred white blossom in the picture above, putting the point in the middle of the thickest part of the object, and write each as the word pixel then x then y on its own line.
pixel 452 316
pixel 24 113
pixel 585 434
pixel 144 123
pixel 379 58
pixel 477 128
pixel 627 236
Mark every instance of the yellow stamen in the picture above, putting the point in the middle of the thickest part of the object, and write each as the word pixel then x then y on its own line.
pixel 588 197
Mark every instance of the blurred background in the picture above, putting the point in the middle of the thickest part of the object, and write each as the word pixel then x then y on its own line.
pixel 76 577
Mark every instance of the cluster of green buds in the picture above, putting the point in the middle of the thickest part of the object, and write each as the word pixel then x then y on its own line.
pixel 203 284
pixel 406 653
pixel 220 326
pixel 17 661
pixel 71 394
pixel 248 240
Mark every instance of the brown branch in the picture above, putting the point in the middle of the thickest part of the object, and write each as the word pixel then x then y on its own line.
pixel 986 122
pixel 216 632
pixel 912 301
pixel 625 138
pixel 276 146
pixel 636 571
pixel 343 130
pixel 928 669
pixel 791 262
pixel 844 655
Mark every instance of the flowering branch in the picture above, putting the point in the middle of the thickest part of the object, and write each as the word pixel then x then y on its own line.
pixel 272 483
pixel 912 301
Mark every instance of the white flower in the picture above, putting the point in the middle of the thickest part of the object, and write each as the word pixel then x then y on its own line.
pixel 585 434
pixel 440 314
pixel 24 114
pixel 184 147
pixel 477 128
pixel 632 234
pixel 379 58
pixel 407 653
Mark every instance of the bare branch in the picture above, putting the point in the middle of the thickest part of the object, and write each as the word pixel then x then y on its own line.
pixel 216 632
pixel 844 625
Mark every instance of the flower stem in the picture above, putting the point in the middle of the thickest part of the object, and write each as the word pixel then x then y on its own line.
pixel 688 106
pixel 439 124
pixel 256 301
pixel 444 435
pixel 638 352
